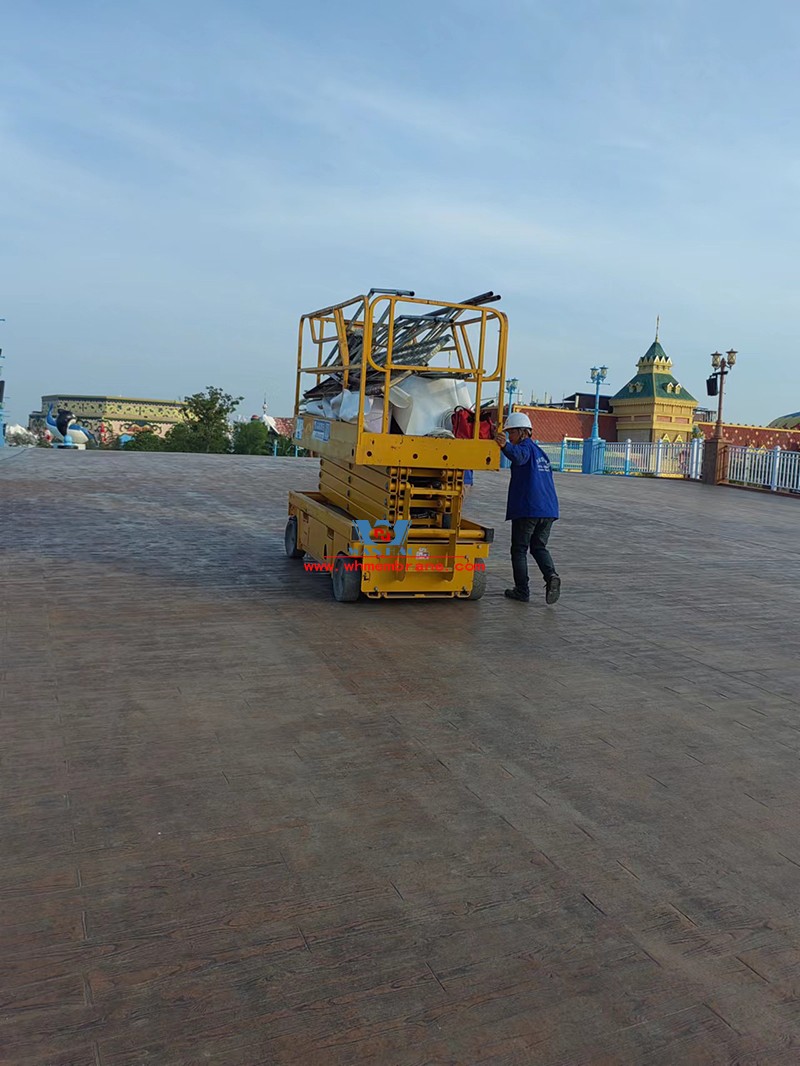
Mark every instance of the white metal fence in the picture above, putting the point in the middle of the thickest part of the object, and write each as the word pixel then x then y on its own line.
pixel 775 469
pixel 566 455
pixel 629 458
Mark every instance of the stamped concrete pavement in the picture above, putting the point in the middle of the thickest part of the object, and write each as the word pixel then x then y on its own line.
pixel 244 824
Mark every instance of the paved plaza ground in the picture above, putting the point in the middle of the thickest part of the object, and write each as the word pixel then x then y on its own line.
pixel 243 824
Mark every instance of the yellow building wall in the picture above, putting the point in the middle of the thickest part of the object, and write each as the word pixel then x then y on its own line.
pixel 118 414
pixel 649 420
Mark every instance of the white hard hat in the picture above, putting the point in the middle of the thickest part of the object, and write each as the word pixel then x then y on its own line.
pixel 518 420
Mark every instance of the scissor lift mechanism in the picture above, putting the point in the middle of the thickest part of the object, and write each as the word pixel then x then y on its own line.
pixel 367 345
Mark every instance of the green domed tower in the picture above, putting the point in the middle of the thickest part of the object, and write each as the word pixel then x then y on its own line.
pixel 654 405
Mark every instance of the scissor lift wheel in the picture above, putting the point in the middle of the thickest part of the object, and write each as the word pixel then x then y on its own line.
pixel 478 585
pixel 290 539
pixel 346 581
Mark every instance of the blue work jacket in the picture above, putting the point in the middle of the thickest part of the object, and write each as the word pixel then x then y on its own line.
pixel 531 491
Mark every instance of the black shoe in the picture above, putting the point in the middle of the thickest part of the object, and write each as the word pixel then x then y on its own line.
pixel 552 589
pixel 515 594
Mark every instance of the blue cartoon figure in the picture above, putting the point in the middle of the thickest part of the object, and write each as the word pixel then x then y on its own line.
pixel 66 431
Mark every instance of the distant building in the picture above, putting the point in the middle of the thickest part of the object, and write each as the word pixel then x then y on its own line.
pixel 284 426
pixel 280 427
pixel 786 422
pixel 112 416
pixel 578 401
pixel 652 406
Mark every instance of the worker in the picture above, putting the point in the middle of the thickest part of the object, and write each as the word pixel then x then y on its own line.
pixel 532 507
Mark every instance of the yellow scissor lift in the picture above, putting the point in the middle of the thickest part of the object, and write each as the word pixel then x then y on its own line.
pixel 369 470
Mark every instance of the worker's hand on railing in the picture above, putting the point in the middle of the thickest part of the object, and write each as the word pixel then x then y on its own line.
pixel 501 439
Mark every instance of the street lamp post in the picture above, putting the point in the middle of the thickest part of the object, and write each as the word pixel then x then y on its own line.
pixel 594 446
pixel 512 386
pixel 715 449
pixel 722 366
pixel 2 400
pixel 599 375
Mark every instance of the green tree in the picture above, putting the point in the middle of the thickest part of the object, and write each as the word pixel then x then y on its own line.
pixel 205 428
pixel 144 441
pixel 286 446
pixel 252 438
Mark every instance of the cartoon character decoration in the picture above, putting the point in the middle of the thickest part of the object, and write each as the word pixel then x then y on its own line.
pixel 66 431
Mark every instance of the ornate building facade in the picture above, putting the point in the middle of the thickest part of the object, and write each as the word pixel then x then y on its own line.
pixel 112 416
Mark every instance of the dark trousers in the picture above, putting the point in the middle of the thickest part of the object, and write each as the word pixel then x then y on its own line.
pixel 530 534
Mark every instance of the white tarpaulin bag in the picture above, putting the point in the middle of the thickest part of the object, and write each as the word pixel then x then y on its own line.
pixel 418 407
pixel 348 409
pixel 373 413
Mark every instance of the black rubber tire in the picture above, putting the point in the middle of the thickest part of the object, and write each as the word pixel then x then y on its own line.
pixel 290 539
pixel 478 585
pixel 346 584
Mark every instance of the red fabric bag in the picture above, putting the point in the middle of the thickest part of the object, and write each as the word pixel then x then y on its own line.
pixel 464 425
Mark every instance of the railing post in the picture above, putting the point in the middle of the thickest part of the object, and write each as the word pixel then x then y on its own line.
pixel 776 460
pixel 563 453
pixel 658 458
pixel 627 457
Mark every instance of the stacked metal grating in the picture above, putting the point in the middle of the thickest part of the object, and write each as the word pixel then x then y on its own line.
pixel 416 340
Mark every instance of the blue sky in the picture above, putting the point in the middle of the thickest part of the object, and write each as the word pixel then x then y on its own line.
pixel 180 182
